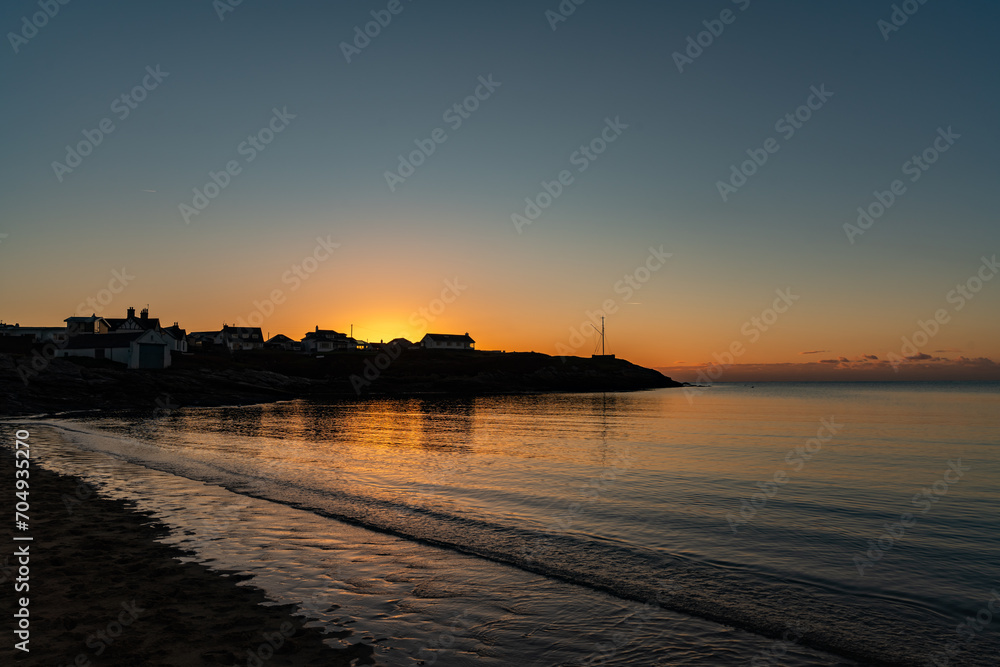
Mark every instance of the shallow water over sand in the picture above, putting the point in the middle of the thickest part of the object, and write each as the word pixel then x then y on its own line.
pixel 776 509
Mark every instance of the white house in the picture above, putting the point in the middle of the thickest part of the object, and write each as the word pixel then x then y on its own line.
pixel 135 349
pixel 327 340
pixel 433 341
pixel 176 338
pixel 242 338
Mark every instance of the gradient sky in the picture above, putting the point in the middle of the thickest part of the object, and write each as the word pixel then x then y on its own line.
pixel 323 176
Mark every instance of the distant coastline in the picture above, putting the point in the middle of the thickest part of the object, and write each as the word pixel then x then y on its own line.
pixel 266 376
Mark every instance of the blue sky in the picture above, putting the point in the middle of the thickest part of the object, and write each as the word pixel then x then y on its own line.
pixel 655 184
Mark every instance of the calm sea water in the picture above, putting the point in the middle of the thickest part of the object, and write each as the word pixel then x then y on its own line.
pixel 793 524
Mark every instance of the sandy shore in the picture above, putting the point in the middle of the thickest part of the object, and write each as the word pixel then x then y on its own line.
pixel 104 592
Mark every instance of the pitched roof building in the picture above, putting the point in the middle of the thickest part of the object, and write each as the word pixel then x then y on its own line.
pixel 327 340
pixel 135 349
pixel 242 338
pixel 435 341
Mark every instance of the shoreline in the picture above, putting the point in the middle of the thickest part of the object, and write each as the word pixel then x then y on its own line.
pixel 62 385
pixel 103 591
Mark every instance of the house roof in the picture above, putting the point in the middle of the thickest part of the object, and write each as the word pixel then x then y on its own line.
pixel 450 338
pixel 401 342
pixel 253 331
pixel 175 331
pixel 87 320
pixel 118 322
pixel 325 334
pixel 108 340
pixel 280 338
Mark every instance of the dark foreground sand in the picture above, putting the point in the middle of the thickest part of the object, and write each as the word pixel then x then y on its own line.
pixel 103 592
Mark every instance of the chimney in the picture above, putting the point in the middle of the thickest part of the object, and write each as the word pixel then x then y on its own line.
pixel 317 328
pixel 143 314
pixel 131 312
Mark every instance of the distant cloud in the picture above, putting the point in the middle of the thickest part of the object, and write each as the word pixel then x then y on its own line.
pixel 814 352
pixel 866 367
pixel 149 190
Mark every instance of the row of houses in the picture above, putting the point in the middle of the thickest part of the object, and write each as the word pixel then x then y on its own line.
pixel 135 341
pixel 142 342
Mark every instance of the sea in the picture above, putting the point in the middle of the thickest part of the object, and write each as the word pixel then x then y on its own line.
pixel 767 524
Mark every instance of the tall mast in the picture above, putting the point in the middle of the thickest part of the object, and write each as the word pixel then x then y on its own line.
pixel 602 335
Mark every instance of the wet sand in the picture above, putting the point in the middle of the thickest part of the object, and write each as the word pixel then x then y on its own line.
pixel 104 592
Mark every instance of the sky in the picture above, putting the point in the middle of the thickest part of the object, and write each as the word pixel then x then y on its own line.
pixel 692 171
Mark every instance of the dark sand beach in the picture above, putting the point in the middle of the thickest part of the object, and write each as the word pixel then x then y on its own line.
pixel 103 591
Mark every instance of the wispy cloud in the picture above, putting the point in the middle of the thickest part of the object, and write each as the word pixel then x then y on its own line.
pixel 867 367
pixel 814 352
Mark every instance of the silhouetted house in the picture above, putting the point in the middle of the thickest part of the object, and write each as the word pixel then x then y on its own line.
pixel 434 341
pixel 393 347
pixel 82 325
pixel 132 323
pixel 239 339
pixel 327 340
pixel 135 349
pixel 57 335
pixel 204 340
pixel 282 342
pixel 176 338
